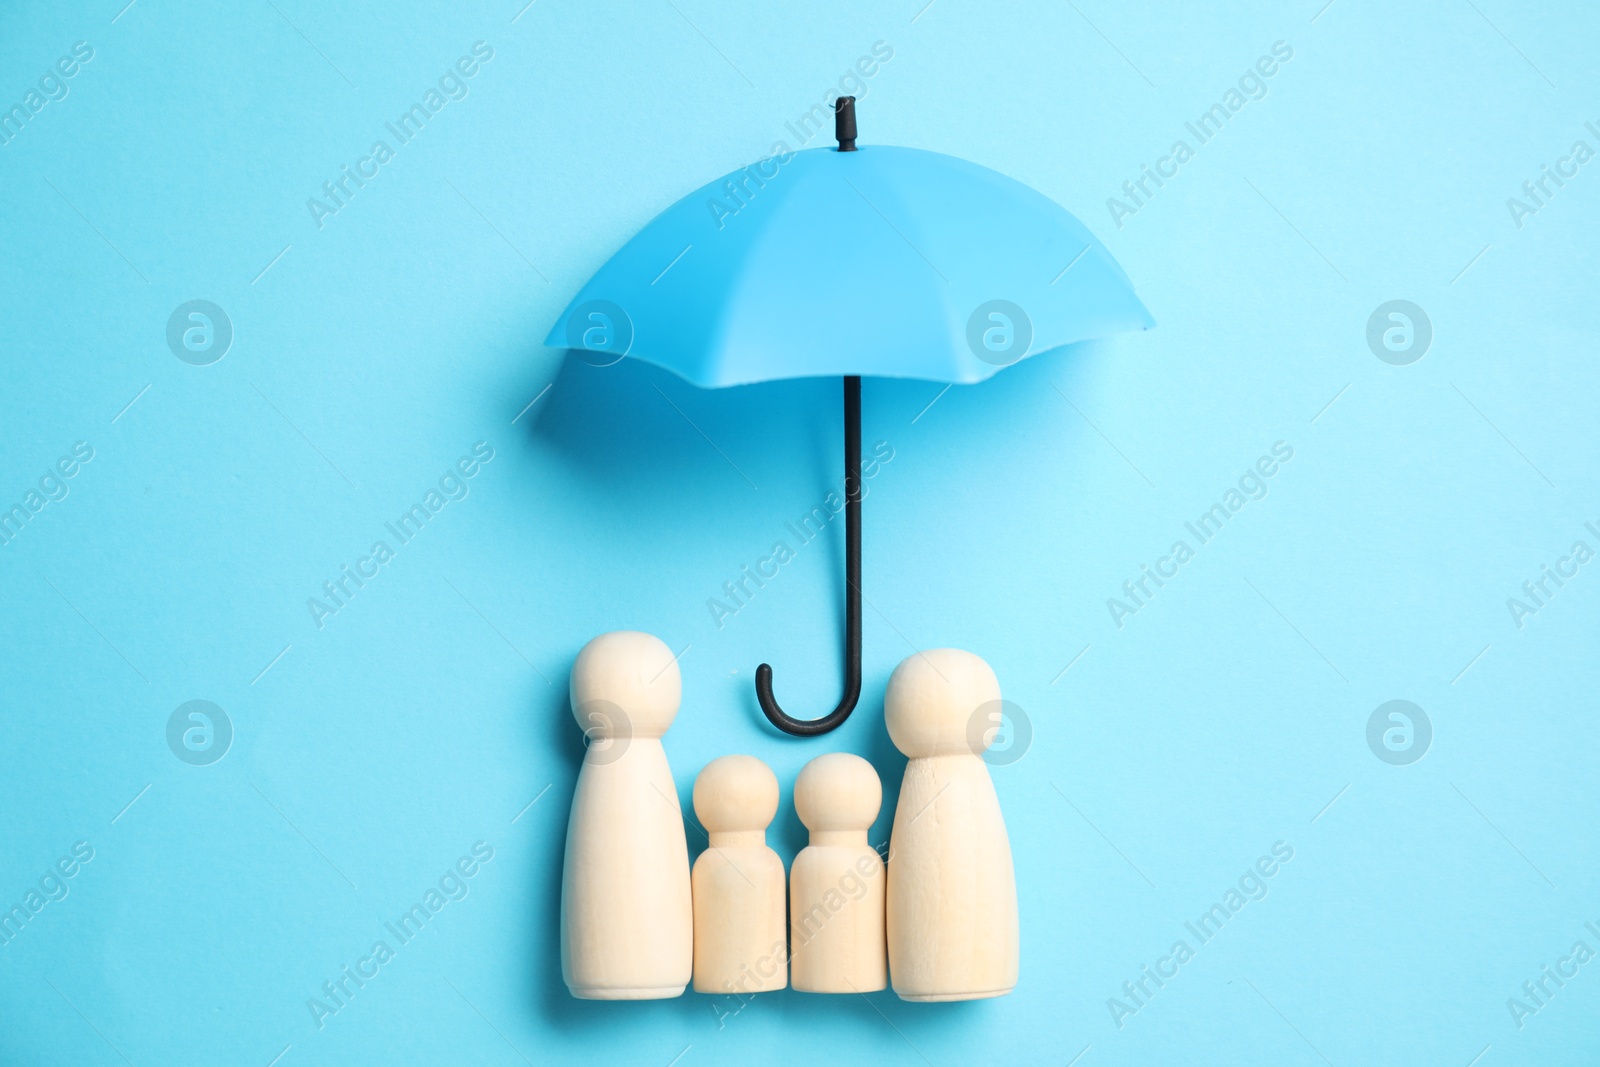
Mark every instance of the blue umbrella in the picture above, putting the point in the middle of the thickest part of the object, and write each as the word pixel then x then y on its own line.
pixel 839 262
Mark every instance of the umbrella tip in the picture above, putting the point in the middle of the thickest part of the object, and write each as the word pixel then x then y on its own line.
pixel 844 123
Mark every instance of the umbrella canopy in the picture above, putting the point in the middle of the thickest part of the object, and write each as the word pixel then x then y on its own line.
pixel 883 261
pixel 830 263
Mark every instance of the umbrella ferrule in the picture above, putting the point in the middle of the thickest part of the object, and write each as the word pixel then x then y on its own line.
pixel 844 123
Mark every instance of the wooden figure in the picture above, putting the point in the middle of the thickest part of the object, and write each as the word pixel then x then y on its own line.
pixel 836 885
pixel 626 915
pixel 952 895
pixel 739 942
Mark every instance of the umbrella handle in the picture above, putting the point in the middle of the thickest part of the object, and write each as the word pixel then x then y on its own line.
pixel 852 578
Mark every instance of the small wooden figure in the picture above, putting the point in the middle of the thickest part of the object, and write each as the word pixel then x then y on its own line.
pixel 626 915
pixel 739 942
pixel 952 894
pixel 836 885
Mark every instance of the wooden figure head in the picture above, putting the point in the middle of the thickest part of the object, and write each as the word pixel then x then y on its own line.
pixel 625 684
pixel 837 791
pixel 931 700
pixel 736 793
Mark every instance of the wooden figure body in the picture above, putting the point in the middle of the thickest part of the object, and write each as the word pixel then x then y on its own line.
pixel 626 915
pixel 739 942
pixel 837 881
pixel 952 893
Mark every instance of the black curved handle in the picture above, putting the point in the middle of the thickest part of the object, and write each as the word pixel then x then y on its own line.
pixel 852 578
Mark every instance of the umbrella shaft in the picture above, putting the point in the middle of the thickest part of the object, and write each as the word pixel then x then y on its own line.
pixel 852 535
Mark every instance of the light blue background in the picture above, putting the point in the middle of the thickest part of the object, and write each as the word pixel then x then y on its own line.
pixel 428 713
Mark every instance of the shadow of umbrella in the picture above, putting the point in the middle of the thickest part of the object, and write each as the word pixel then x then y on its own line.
pixel 630 427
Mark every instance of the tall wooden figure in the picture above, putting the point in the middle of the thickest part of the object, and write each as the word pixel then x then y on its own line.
pixel 836 883
pixel 739 940
pixel 952 901
pixel 626 916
